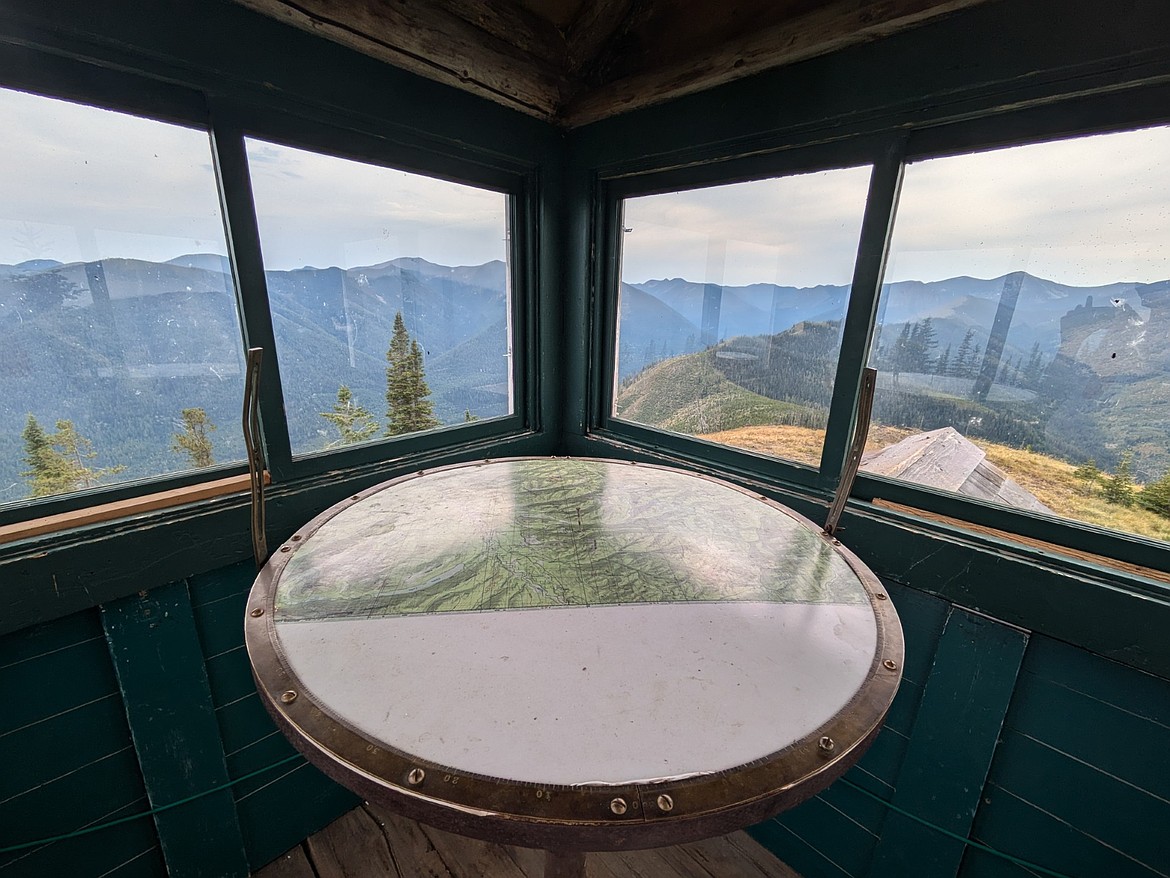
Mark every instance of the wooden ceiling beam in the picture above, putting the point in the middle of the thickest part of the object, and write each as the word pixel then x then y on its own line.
pixel 514 24
pixel 650 81
pixel 595 24
pixel 524 70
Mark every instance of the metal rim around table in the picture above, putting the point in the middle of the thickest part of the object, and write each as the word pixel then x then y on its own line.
pixel 584 817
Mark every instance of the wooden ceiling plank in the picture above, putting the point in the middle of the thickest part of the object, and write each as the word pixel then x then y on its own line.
pixel 426 39
pixel 591 30
pixel 513 23
pixel 825 30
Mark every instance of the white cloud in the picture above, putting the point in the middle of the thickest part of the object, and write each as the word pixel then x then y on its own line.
pixel 1086 211
pixel 321 210
pixel 80 183
pixel 797 231
pixel 76 177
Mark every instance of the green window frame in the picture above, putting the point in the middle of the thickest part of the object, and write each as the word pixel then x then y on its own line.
pixel 888 153
pixel 228 122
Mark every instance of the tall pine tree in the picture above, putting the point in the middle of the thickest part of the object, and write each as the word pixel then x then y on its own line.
pixel 408 408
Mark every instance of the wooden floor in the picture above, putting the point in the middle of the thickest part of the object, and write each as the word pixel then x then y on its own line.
pixel 369 842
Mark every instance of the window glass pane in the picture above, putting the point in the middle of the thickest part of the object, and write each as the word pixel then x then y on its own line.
pixel 389 296
pixel 1022 345
pixel 121 348
pixel 731 307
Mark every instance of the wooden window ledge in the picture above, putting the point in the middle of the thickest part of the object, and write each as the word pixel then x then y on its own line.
pixel 48 524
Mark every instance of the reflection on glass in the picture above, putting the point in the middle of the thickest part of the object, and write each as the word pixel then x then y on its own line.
pixel 121 354
pixel 389 296
pixel 731 305
pixel 1021 348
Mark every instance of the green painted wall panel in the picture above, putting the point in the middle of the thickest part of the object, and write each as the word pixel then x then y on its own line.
pixel 883 759
pixel 242 723
pixel 292 804
pixel 1135 692
pixel 978 864
pixel 277 808
pixel 93 793
pixel 229 674
pixel 808 861
pixel 68 758
pixel 1081 795
pixel 858 806
pixel 825 828
pixel 905 707
pixel 68 742
pixel 950 751
pixel 157 656
pixel 1014 826
pixel 133 852
pixel 49 637
pixel 922 617
pixel 1115 741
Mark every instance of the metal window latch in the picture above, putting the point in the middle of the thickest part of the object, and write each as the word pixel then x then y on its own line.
pixel 255 446
pixel 856 449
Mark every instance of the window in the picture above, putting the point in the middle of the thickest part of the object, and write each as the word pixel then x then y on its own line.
pixel 389 296
pixel 121 351
pixel 1022 346
pixel 731 309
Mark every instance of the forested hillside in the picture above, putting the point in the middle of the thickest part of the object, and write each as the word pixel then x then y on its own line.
pixel 121 347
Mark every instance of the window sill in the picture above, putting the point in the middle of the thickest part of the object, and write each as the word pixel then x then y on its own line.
pixel 50 524
pixel 1029 542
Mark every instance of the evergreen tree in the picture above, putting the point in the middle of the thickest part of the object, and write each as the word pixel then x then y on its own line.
pixel 57 461
pixel 76 450
pixel 48 472
pixel 1118 488
pixel 1088 473
pixel 963 360
pixel 468 417
pixel 925 343
pixel 1033 373
pixel 943 367
pixel 1156 495
pixel 407 407
pixel 353 422
pixel 900 353
pixel 195 441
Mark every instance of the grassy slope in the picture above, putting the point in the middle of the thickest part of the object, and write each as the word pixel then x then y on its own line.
pixel 687 395
pixel 1051 480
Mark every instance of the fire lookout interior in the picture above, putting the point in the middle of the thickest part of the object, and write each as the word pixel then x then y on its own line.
pixel 1031 731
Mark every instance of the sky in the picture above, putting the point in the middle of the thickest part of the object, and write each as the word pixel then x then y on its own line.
pixel 80 183
pixel 1084 212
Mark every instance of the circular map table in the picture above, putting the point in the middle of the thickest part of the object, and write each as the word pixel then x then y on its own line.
pixel 573 654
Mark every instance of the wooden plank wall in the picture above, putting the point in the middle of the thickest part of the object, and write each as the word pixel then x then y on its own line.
pixel 71 761
pixel 1047 752
pixel 68 760
pixel 1076 776
pixel 276 810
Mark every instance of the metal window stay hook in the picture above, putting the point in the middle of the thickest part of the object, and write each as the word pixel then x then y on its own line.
pixel 255 446
pixel 856 450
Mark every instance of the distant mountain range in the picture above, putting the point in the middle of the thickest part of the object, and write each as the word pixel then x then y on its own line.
pixel 121 346
pixel 680 316
pixel 1084 372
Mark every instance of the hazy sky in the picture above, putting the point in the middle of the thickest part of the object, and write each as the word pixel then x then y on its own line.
pixel 79 183
pixel 320 210
pixel 1088 211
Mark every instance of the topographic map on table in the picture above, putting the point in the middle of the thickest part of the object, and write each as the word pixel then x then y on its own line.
pixel 530 533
